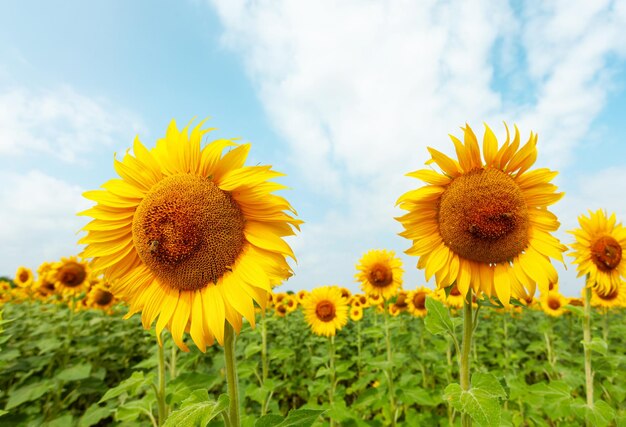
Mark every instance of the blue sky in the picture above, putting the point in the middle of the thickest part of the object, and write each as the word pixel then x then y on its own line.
pixel 342 96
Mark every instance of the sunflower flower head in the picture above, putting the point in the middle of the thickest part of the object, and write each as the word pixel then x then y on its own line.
pixel 189 236
pixel 356 313
pixel 23 277
pixel 417 301
pixel 598 250
pixel 612 299
pixel 482 222
pixel 380 273
pixel 71 276
pixel 553 303
pixel 326 311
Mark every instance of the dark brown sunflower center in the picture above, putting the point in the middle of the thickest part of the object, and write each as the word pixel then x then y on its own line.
pixel 551 286
pixel 609 296
pixel 325 311
pixel 72 274
pixel 419 300
pixel 455 292
pixel 48 286
pixel 380 276
pixel 483 216
pixel 401 301
pixel 103 297
pixel 188 232
pixel 606 253
pixel 554 303
pixel 24 276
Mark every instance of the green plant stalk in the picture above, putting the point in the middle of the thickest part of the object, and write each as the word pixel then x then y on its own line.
pixel 605 325
pixel 389 370
pixel 231 375
pixel 264 361
pixel 332 373
pixel 358 348
pixel 466 347
pixel 587 341
pixel 162 406
pixel 173 355
pixel 449 377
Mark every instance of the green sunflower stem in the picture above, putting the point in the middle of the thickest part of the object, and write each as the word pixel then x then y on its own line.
pixel 358 348
pixel 265 366
pixel 466 347
pixel 173 355
pixel 587 341
pixel 162 406
pixel 231 375
pixel 389 370
pixel 332 373
pixel 605 325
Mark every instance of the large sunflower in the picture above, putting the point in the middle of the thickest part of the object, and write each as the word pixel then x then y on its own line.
pixel 190 235
pixel 483 222
pixel 325 310
pixel 380 273
pixel 598 250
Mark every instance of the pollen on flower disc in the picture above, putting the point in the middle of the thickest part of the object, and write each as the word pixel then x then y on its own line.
pixel 380 276
pixel 483 216
pixel 325 311
pixel 606 253
pixel 188 232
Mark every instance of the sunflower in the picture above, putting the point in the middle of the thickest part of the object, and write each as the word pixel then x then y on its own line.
pixel 380 273
pixel 598 250
pixel 577 302
pixel 190 236
pixel 417 301
pixel 71 276
pixel 454 299
pixel 615 298
pixel 281 310
pixel 23 277
pixel 553 303
pixel 375 299
pixel 290 302
pixel 100 296
pixel 301 295
pixel 402 301
pixel 479 223
pixel 356 313
pixel 394 310
pixel 45 284
pixel 361 299
pixel 345 293
pixel 325 310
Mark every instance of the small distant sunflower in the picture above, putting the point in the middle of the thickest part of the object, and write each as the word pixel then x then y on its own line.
pixel 281 310
pixel 361 299
pixel 577 302
pixel 301 295
pixel 191 236
pixel 612 299
pixel 454 300
pixel 356 313
pixel 45 284
pixel 598 250
pixel 100 296
pixel 23 277
pixel 553 303
pixel 375 299
pixel 402 301
pixel 71 276
pixel 480 223
pixel 394 310
pixel 325 310
pixel 345 293
pixel 290 302
pixel 417 301
pixel 380 273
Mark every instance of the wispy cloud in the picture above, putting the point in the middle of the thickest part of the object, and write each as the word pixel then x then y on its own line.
pixel 61 123
pixel 359 89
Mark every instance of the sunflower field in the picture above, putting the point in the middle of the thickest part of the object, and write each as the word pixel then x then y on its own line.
pixel 172 314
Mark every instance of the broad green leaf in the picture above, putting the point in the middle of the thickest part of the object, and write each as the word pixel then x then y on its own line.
pixel 28 393
pixel 488 384
pixel 600 415
pixel 481 401
pixel 437 320
pixel 281 353
pixel 252 349
pixel 128 385
pixel 295 418
pixel 555 398
pixel 2 412
pixel 75 373
pixel 197 410
pixel 62 421
pixel 130 411
pixel 598 345
pixel 578 311
pixel 93 415
pixel 180 388
pixel 420 396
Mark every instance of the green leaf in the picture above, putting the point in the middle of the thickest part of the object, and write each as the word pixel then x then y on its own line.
pixel 597 344
pixel 197 410
pixel 2 412
pixel 27 393
pixel 281 353
pixel 128 385
pixel 481 401
pixel 295 418
pixel 555 397
pixel 252 349
pixel 420 396
pixel 437 320
pixel 62 421
pixel 578 311
pixel 599 415
pixel 93 415
pixel 75 373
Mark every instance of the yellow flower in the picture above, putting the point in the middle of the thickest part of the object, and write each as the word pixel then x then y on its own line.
pixel 23 277
pixel 290 302
pixel 454 299
pixel 45 284
pixel 402 302
pixel 598 249
pixel 71 276
pixel 345 293
pixel 100 296
pixel 553 303
pixel 417 301
pixel 190 235
pixel 614 298
pixel 356 313
pixel 301 295
pixel 394 310
pixel 374 299
pixel 380 273
pixel 480 223
pixel 325 310
pixel 281 310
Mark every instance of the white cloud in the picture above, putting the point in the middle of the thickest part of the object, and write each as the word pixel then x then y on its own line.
pixel 358 89
pixel 38 218
pixel 61 123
